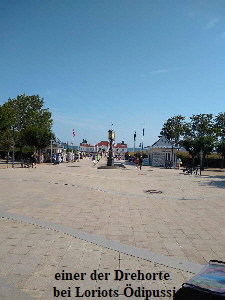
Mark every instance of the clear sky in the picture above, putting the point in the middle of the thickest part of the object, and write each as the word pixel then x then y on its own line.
pixel 130 62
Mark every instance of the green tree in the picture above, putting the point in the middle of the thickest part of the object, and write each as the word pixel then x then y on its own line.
pixel 174 128
pixel 208 144
pixel 221 150
pixel 7 117
pixel 220 131
pixel 38 136
pixel 6 141
pixel 220 125
pixel 31 121
pixel 201 125
pixel 200 136
pixel 192 146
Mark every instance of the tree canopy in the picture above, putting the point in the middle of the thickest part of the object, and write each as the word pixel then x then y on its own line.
pixel 32 122
pixel 220 125
pixel 201 133
pixel 174 128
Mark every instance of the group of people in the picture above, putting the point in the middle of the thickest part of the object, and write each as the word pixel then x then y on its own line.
pixel 29 162
pixel 57 158
pixel 169 164
pixel 119 157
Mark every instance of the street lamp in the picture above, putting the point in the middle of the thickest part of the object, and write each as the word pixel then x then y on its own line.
pixel 201 135
pixel 111 137
pixel 135 135
pixel 173 124
pixel 201 146
pixel 13 144
pixel 143 133
pixel 172 156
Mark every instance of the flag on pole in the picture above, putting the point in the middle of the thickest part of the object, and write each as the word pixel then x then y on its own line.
pixel 143 131
pixel 73 133
pixel 135 136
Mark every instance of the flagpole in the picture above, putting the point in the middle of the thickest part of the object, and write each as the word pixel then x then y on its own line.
pixel 143 133
pixel 134 139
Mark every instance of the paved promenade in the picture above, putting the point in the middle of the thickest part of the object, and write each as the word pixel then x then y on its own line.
pixel 75 218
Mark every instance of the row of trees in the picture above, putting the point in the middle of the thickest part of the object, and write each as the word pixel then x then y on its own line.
pixel 202 133
pixel 24 122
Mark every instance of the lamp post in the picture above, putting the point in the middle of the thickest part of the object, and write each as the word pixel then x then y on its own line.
pixel 201 146
pixel 200 171
pixel 13 144
pixel 172 156
pixel 142 140
pixel 143 133
pixel 134 139
pixel 51 149
pixel 111 137
pixel 173 128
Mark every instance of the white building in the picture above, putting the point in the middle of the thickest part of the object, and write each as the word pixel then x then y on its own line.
pixel 161 151
pixel 120 148
pixel 103 146
pixel 85 147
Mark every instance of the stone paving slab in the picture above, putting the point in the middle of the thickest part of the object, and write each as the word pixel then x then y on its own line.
pixel 185 222
pixel 33 271
pixel 109 244
pixel 190 229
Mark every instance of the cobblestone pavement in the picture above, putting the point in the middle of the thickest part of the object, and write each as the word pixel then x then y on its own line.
pixel 184 222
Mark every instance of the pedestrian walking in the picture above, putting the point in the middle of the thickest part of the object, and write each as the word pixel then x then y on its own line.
pixel 33 160
pixel 54 157
pixel 59 158
pixel 140 162
pixel 179 162
pixel 166 164
pixel 136 161
pixel 93 160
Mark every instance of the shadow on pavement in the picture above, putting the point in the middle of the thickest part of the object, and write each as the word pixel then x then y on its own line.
pixel 216 183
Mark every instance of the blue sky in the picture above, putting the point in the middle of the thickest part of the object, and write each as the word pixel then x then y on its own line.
pixel 130 62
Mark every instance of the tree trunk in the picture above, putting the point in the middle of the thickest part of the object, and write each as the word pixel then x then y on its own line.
pixel 203 161
pixel 39 153
pixel 7 159
pixel 21 153
pixel 207 161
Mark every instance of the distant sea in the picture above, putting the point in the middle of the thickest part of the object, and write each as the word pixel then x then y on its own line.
pixel 136 149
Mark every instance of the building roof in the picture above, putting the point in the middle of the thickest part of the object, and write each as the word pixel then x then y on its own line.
pixel 85 145
pixel 103 143
pixel 163 142
pixel 119 145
